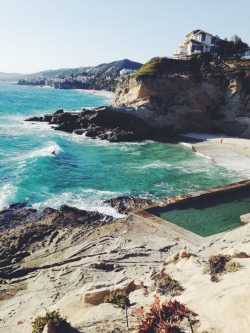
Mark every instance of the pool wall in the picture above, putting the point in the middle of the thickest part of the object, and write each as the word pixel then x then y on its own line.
pixel 219 191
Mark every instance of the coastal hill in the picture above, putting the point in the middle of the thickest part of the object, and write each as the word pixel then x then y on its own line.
pixel 111 68
pixel 107 68
pixel 189 95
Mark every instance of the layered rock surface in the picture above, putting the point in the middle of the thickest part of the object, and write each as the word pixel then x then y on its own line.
pixel 70 260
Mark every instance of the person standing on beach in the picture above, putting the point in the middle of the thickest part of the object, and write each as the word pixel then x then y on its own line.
pixel 221 140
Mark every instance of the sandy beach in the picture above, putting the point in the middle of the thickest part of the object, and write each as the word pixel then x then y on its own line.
pixel 97 92
pixel 232 153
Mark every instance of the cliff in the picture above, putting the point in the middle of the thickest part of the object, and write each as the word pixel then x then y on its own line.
pixel 189 95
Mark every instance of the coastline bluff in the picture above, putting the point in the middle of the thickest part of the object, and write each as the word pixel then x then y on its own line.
pixel 177 96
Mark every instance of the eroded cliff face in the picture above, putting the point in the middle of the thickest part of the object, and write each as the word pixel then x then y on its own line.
pixel 209 100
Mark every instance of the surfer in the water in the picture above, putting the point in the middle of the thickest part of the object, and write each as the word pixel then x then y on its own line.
pixel 53 152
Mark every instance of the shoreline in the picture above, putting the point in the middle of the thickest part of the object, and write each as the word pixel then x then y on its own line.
pixel 97 92
pixel 232 153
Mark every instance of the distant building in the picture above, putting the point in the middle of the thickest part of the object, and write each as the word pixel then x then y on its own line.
pixel 126 71
pixel 245 54
pixel 197 42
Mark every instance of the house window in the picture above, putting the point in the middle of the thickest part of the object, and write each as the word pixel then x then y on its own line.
pixel 203 36
pixel 212 49
pixel 213 40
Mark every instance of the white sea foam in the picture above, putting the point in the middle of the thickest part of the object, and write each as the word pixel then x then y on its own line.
pixel 155 165
pixel 7 195
pixel 90 199
pixel 186 144
pixel 88 141
pixel 46 151
pixel 202 155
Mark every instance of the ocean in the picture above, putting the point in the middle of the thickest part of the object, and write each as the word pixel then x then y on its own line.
pixel 85 171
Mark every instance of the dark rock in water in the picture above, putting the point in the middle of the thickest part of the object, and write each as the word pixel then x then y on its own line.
pixel 67 127
pixel 105 123
pixel 64 117
pixel 9 218
pixel 79 131
pixel 19 205
pixel 78 216
pixel 127 204
pixel 59 111
pixel 34 119
pixel 47 117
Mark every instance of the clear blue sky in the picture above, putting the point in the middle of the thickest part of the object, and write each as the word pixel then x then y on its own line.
pixel 50 34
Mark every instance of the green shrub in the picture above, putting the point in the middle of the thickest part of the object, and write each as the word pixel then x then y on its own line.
pixel 166 317
pixel 217 263
pixel 119 298
pixel 54 319
pixel 166 285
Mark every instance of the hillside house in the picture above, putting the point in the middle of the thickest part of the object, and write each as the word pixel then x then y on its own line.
pixel 126 71
pixel 245 54
pixel 196 42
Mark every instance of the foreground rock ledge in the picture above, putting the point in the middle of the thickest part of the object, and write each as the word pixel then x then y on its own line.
pixel 69 260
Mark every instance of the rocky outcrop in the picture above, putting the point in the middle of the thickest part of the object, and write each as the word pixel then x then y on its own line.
pixel 177 96
pixel 104 123
pixel 127 204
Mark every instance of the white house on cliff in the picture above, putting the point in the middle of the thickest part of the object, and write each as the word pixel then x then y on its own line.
pixel 196 42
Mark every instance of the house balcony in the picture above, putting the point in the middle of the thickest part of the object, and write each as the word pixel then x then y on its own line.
pixel 180 54
pixel 181 45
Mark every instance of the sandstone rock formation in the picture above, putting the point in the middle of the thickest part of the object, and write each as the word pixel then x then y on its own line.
pixel 179 96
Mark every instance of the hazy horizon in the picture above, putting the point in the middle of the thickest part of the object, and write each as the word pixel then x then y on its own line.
pixel 48 35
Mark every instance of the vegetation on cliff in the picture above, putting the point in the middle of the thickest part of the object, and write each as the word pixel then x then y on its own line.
pixel 161 66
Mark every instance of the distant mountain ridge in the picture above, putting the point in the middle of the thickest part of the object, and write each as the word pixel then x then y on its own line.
pixel 116 66
pixel 105 68
pixel 11 76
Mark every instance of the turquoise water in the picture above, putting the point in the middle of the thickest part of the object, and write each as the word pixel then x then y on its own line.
pixel 85 172
pixel 206 217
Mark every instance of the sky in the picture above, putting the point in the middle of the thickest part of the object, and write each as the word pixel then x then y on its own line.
pixel 37 35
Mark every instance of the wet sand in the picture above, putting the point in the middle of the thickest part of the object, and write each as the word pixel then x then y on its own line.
pixel 230 152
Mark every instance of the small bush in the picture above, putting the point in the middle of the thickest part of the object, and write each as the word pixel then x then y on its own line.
pixel 217 263
pixel 166 285
pixel 166 317
pixel 119 298
pixel 54 319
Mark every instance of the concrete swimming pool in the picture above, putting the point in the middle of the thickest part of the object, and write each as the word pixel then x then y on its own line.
pixel 207 212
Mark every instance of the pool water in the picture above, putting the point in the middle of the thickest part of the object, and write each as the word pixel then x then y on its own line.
pixel 207 215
